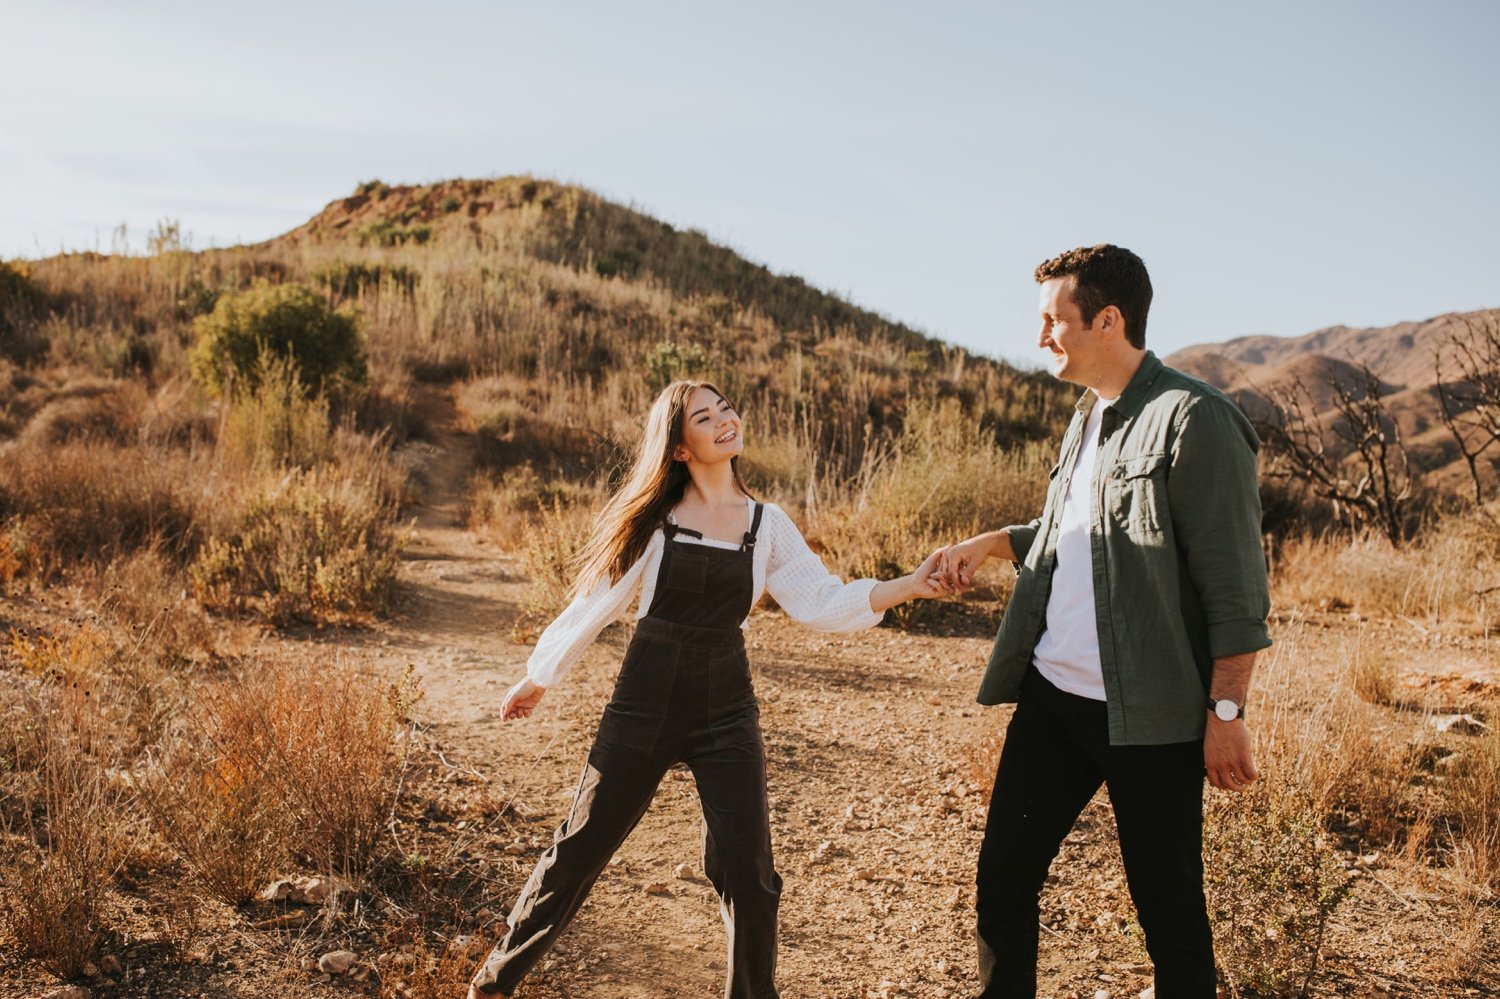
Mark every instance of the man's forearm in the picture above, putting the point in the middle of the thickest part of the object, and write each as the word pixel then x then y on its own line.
pixel 1232 677
pixel 1000 546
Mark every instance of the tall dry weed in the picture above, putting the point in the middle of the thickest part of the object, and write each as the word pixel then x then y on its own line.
pixel 943 480
pixel 68 811
pixel 1447 577
pixel 1474 796
pixel 284 759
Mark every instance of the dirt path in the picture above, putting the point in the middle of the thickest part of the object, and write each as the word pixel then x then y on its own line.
pixel 876 767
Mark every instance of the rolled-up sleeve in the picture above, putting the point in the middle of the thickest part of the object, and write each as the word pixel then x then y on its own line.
pixel 1021 538
pixel 1216 517
pixel 563 642
pixel 804 587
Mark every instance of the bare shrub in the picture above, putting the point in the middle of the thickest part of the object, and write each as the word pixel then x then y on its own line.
pixel 507 506
pixel 549 556
pixel 147 595
pixel 1373 675
pixel 87 503
pixel 434 968
pixel 214 800
pixel 285 759
pixel 319 545
pixel 76 828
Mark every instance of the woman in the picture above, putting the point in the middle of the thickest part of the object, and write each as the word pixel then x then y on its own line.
pixel 683 694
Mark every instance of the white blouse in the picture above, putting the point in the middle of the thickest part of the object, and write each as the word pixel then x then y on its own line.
pixel 783 564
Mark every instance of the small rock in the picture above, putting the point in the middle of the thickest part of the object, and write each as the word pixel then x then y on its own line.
pixel 90 969
pixel 683 872
pixel 314 890
pixel 1461 724
pixel 336 962
pixel 310 965
pixel 1101 994
pixel 657 888
pixel 69 992
pixel 276 891
pixel 110 965
pixel 518 848
pixel 865 874
pixel 1149 992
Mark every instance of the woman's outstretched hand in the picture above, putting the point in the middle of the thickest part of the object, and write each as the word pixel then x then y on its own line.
pixel 927 582
pixel 521 700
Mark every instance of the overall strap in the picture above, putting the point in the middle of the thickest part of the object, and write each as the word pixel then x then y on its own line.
pixel 671 530
pixel 749 544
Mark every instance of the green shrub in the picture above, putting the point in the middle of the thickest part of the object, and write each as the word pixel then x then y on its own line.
pixel 287 320
pixel 386 232
pixel 669 360
pixel 1273 880
pixel 346 279
pixel 320 546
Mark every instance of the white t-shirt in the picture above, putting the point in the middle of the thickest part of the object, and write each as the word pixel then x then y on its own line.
pixel 1067 654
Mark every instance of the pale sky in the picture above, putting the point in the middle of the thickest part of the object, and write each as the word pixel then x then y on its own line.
pixel 1280 166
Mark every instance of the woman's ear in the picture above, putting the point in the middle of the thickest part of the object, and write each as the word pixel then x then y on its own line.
pixel 680 453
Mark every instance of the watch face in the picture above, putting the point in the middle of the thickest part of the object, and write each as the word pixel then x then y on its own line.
pixel 1226 710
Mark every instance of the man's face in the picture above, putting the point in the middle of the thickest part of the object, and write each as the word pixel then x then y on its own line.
pixel 1074 345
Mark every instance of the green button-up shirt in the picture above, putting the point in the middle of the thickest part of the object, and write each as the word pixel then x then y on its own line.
pixel 1179 575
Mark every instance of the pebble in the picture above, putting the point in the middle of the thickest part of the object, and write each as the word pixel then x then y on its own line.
pixel 336 962
pixel 69 992
pixel 683 872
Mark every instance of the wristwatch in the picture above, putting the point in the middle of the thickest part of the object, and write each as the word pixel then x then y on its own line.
pixel 1226 710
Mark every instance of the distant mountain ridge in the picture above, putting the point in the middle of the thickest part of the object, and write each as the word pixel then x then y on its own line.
pixel 1404 356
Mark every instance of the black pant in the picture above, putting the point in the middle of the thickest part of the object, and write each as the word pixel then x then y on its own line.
pixel 1056 755
pixel 675 702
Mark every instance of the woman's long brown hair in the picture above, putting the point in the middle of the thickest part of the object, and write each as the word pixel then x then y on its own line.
pixel 655 485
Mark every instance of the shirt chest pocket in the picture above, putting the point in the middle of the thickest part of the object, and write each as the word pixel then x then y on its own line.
pixel 1136 495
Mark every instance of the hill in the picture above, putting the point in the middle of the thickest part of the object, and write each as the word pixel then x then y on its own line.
pixel 562 311
pixel 1402 357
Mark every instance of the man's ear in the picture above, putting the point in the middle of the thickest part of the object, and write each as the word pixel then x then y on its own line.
pixel 1111 320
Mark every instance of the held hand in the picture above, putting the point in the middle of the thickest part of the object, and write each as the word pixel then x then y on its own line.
pixel 961 561
pixel 521 700
pixel 1229 755
pixel 925 580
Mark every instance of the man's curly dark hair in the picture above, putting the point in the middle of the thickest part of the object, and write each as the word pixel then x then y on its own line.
pixel 1105 275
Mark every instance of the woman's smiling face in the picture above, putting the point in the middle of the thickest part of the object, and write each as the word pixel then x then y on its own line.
pixel 710 429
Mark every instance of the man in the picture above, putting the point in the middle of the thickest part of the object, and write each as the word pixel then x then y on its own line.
pixel 1140 603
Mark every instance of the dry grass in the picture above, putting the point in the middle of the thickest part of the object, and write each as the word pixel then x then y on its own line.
pixel 67 812
pixel 1449 576
pixel 437 968
pixel 281 761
